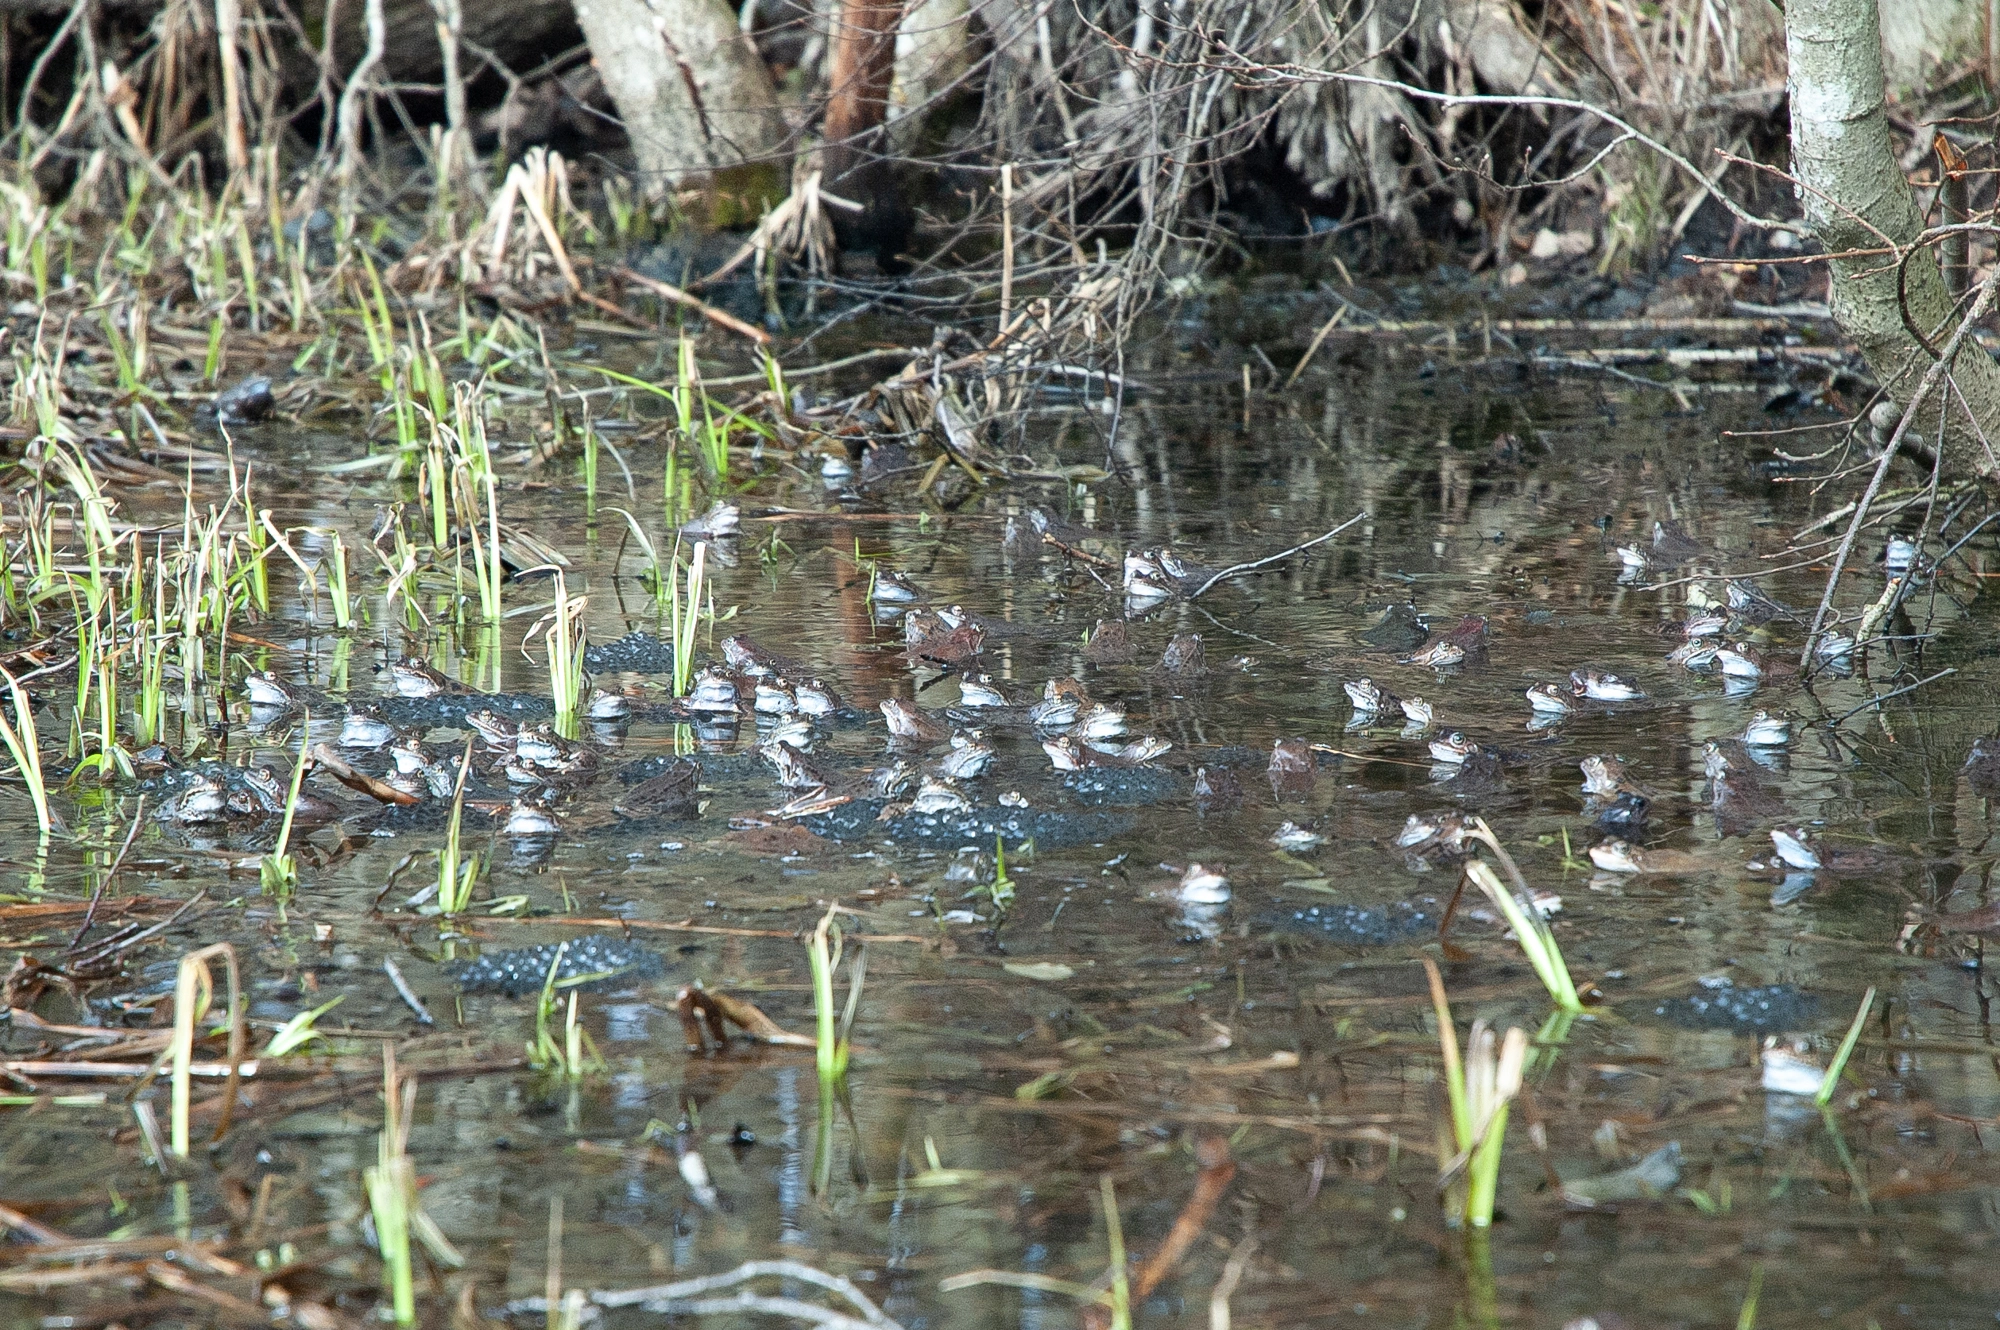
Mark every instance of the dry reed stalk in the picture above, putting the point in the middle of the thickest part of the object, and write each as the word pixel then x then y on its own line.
pixel 228 24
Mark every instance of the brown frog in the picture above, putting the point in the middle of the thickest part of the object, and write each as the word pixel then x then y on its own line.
pixel 1184 656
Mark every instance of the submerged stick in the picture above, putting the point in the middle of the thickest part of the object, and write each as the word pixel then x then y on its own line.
pixel 405 992
pixel 1217 1170
pixel 1279 557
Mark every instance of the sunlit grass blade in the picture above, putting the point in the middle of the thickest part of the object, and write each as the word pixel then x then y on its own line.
pixel 1830 1084
pixel 686 609
pixel 24 745
pixel 279 870
pixel 299 1031
pixel 1746 1316
pixel 1531 930
pixel 656 575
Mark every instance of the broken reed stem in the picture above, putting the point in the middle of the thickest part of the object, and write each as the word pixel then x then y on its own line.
pixel 1479 1087
pixel 1114 1235
pixel 194 988
pixel 1937 371
pixel 1493 1078
pixel 1312 348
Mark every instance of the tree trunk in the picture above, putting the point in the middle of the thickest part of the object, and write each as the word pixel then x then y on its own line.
pixel 1853 194
pixel 692 91
pixel 860 66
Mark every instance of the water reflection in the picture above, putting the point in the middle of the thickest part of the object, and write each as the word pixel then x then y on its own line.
pixel 1313 1049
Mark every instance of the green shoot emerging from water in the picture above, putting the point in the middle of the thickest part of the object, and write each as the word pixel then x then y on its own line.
pixel 1746 1316
pixel 575 1054
pixel 1480 1087
pixel 1003 885
pixel 687 616
pixel 457 876
pixel 565 640
pixel 831 1041
pixel 279 870
pixel 299 1031
pixel 392 1193
pixel 24 744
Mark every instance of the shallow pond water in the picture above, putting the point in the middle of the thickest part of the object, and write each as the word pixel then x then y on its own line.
pixel 1007 1064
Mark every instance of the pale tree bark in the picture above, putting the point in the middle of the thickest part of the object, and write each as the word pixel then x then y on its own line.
pixel 1854 198
pixel 932 55
pixel 693 93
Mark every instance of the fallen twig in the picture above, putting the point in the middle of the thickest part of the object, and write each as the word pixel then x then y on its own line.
pixel 115 944
pixel 1279 557
pixel 668 291
pixel 1679 390
pixel 380 791
pixel 28 1228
